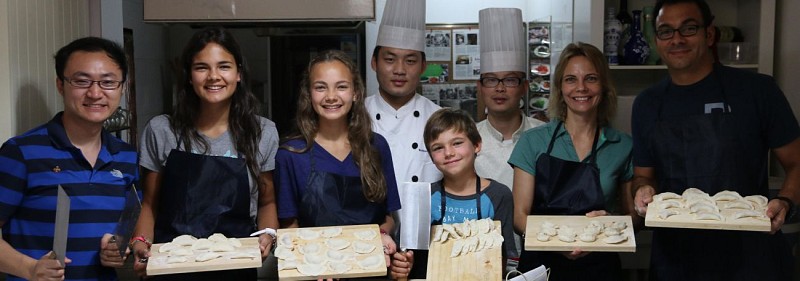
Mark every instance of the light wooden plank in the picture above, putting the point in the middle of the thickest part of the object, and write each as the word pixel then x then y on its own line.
pixel 157 265
pixel 479 266
pixel 686 220
pixel 577 223
pixel 347 234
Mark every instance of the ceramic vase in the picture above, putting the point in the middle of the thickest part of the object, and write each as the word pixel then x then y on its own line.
pixel 636 49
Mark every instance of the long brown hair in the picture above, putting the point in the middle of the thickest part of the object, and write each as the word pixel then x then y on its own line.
pixel 359 131
pixel 243 120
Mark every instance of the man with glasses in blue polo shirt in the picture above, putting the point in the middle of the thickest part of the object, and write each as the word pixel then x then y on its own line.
pixel 72 150
pixel 711 127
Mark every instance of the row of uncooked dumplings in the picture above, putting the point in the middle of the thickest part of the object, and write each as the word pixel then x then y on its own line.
pixel 466 229
pixel 706 207
pixel 317 265
pixel 332 255
pixel 614 232
pixel 184 246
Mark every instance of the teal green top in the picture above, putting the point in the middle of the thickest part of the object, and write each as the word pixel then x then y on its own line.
pixel 613 156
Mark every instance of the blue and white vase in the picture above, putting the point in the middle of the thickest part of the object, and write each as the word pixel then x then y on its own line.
pixel 636 49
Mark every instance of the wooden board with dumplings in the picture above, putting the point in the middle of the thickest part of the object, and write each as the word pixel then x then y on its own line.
pixel 349 251
pixel 217 252
pixel 466 251
pixel 567 233
pixel 726 210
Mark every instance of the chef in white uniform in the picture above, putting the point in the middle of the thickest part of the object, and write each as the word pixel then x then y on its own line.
pixel 502 85
pixel 398 112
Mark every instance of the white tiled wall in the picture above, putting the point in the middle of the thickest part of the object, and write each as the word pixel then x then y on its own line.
pixel 31 31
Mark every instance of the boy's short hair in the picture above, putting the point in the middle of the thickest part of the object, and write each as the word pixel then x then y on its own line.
pixel 449 118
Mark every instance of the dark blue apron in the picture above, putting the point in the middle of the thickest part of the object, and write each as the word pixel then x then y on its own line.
pixel 201 195
pixel 330 199
pixel 570 188
pixel 704 151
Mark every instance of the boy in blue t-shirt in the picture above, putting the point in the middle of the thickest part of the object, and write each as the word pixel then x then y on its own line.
pixel 453 141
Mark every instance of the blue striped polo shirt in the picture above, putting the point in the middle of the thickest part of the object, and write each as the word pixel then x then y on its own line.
pixel 33 164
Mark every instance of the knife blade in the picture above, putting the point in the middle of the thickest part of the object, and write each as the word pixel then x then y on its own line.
pixel 415 215
pixel 61 226
pixel 127 220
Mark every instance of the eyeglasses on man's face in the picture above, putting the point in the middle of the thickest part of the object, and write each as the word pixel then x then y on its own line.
pixel 494 81
pixel 666 33
pixel 87 83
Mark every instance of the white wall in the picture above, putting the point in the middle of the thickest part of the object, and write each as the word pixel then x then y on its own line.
pixel 30 34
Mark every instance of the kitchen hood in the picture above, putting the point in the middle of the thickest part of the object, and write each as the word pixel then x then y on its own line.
pixel 208 11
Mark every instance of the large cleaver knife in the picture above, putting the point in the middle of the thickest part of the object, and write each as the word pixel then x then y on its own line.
pixel 127 220
pixel 415 215
pixel 62 226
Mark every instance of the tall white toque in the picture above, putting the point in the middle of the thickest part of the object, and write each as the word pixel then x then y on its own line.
pixel 502 40
pixel 403 25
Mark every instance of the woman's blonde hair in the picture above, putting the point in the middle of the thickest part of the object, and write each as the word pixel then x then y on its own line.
pixel 557 108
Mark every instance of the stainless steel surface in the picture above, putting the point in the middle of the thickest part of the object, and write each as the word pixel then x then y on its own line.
pixel 256 10
pixel 415 216
pixel 61 225
pixel 127 220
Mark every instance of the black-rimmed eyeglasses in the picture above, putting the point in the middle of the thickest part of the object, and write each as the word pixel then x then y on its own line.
pixel 666 33
pixel 494 81
pixel 87 83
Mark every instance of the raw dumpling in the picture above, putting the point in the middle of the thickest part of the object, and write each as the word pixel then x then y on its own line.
pixel 176 259
pixel 726 195
pixel 450 230
pixel 747 214
pixel 184 240
pixel 666 196
pixel 311 249
pixel 693 190
pixel 757 199
pixel 335 255
pixel 587 237
pixel 549 231
pixel 664 214
pixel 314 259
pixel 457 248
pixel 365 234
pixel 167 247
pixel 337 244
pixel 222 246
pixel 670 204
pixel 610 231
pixel 286 240
pixel 331 232
pixel 372 261
pixel 615 239
pixel 594 230
pixel 548 224
pixel 240 255
pixel 708 216
pixel 207 256
pixel 202 244
pixel 619 225
pixel 740 204
pixel 307 234
pixel 339 267
pixel 566 238
pixel 284 253
pixel 437 236
pixel 543 237
pixel 703 207
pixel 217 237
pixel 363 248
pixel 311 269
pixel 181 252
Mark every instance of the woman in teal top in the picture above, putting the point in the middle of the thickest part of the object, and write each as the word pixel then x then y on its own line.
pixel 575 165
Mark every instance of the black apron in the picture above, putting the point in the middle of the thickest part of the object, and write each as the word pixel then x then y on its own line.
pixel 570 188
pixel 330 199
pixel 420 270
pixel 201 195
pixel 704 151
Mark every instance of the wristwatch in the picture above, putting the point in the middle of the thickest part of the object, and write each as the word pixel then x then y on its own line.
pixel 791 211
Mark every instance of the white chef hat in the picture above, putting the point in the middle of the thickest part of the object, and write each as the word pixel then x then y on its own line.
pixel 403 25
pixel 502 40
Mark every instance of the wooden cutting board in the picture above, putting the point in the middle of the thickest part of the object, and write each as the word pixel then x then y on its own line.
pixel 347 234
pixel 577 223
pixel 157 264
pixel 686 220
pixel 483 265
